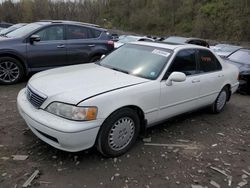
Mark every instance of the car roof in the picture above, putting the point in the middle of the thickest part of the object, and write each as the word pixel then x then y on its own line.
pixel 169 46
pixel 71 22
pixel 186 39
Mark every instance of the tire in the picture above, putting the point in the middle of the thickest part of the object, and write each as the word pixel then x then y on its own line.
pixel 11 71
pixel 95 58
pixel 118 133
pixel 220 102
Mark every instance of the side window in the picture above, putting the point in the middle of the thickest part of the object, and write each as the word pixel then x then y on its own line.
pixel 184 62
pixel 51 33
pixel 96 33
pixel 77 32
pixel 208 62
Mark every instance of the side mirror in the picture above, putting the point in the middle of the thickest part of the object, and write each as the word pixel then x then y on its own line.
pixel 34 38
pixel 103 56
pixel 176 77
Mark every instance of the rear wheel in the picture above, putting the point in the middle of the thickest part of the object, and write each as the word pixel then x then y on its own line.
pixel 118 133
pixel 220 102
pixel 11 70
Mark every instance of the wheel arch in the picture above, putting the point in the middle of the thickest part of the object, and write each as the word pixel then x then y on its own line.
pixel 17 57
pixel 228 86
pixel 137 109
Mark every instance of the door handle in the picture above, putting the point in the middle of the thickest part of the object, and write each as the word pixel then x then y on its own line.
pixel 91 45
pixel 195 81
pixel 61 46
pixel 220 75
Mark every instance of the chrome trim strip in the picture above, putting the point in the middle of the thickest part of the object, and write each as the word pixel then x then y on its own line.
pixel 182 102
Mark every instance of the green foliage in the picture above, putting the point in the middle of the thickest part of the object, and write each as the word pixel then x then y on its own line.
pixel 214 19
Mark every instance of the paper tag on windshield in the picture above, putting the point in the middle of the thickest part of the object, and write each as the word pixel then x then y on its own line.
pixel 160 52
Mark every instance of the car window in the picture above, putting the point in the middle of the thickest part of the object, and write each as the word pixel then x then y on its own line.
pixel 51 33
pixel 185 62
pixel 96 33
pixel 78 32
pixel 208 62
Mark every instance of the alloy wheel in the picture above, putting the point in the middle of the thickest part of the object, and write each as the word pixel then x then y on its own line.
pixel 9 72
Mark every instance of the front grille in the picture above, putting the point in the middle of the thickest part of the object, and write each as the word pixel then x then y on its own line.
pixel 35 99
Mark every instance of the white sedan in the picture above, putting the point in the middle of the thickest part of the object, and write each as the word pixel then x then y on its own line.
pixel 139 85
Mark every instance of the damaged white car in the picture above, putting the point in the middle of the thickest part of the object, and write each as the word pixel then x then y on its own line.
pixel 106 104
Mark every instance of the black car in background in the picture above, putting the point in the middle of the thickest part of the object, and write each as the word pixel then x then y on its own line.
pixel 241 58
pixel 47 44
pixel 184 40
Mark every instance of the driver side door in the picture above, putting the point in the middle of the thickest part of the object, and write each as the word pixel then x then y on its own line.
pixel 50 51
pixel 180 97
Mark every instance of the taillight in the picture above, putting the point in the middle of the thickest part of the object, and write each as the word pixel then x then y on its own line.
pixel 110 42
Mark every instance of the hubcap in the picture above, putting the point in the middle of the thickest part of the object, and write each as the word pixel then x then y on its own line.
pixel 9 71
pixel 121 133
pixel 221 100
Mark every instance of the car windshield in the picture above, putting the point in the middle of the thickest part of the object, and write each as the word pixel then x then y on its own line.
pixel 229 48
pixel 175 40
pixel 142 61
pixel 128 39
pixel 21 32
pixel 9 29
pixel 241 56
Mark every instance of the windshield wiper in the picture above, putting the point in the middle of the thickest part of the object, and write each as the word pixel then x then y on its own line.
pixel 119 70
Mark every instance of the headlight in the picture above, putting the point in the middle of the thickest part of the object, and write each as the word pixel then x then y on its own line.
pixel 72 112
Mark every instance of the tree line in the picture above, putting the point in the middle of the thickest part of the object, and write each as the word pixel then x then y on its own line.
pixel 210 19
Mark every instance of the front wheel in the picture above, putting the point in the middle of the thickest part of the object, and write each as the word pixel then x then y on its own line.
pixel 220 102
pixel 11 71
pixel 118 133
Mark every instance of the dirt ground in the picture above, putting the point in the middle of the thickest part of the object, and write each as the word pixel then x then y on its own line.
pixel 210 149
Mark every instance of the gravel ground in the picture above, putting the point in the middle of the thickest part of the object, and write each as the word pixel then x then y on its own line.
pixel 211 150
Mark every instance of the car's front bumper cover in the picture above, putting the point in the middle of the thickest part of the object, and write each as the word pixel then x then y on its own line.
pixel 60 133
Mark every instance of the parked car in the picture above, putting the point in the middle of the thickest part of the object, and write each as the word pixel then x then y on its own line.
pixel 11 28
pixel 184 40
pixel 47 44
pixel 115 37
pixel 137 86
pixel 241 58
pixel 5 24
pixel 124 39
pixel 225 50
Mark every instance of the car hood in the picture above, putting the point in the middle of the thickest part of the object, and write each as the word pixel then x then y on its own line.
pixel 118 44
pixel 6 41
pixel 73 84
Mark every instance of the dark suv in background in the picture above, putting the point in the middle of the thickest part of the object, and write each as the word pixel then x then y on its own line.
pixel 47 44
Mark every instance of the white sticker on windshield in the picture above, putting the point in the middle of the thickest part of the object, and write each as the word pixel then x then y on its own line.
pixel 160 52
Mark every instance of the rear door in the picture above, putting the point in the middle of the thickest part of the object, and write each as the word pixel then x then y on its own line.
pixel 50 51
pixel 211 76
pixel 80 44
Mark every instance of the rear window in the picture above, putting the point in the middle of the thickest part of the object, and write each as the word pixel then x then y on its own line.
pixel 241 56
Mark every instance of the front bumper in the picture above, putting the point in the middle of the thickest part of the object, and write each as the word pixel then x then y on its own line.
pixel 58 132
